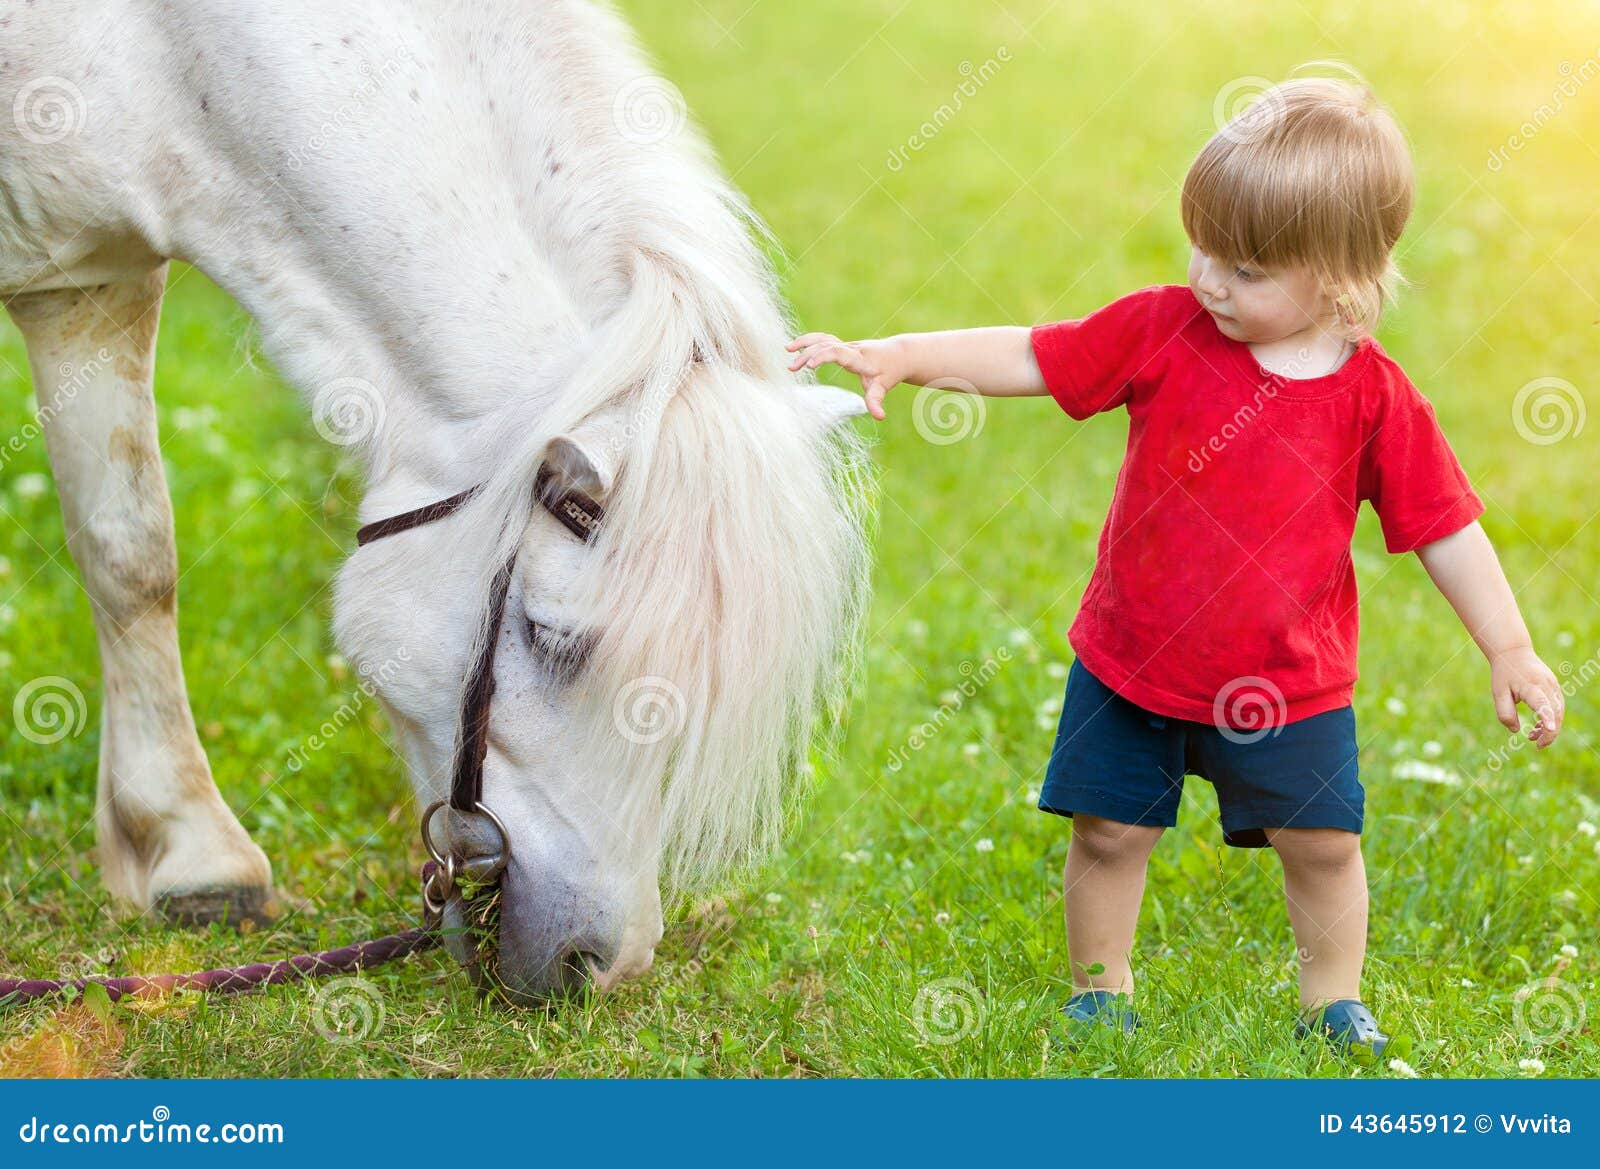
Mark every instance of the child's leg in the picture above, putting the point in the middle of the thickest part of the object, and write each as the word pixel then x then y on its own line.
pixel 1325 886
pixel 1102 889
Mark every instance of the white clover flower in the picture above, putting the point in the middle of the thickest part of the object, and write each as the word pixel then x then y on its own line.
pixel 1051 706
pixel 30 486
pixel 1056 670
pixel 917 629
pixel 970 750
pixel 941 918
pixel 984 845
pixel 1468 983
pixel 1569 951
pixel 1584 827
pixel 1426 772
pixel 1534 1067
pixel 1019 636
pixel 774 898
pixel 1433 748
pixel 1401 1068
pixel 1394 706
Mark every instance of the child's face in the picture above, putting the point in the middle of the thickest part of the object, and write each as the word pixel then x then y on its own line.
pixel 1259 305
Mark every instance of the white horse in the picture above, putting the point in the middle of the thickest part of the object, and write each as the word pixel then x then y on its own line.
pixel 482 238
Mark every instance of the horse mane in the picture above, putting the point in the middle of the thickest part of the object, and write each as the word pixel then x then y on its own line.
pixel 731 570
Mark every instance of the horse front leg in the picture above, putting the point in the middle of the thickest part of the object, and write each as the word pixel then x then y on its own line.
pixel 167 842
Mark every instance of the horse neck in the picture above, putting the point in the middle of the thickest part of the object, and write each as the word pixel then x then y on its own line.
pixel 443 265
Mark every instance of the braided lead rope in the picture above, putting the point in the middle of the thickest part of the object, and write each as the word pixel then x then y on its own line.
pixel 236 979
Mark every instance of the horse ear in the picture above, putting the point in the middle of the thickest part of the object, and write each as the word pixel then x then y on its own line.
pixel 585 458
pixel 827 406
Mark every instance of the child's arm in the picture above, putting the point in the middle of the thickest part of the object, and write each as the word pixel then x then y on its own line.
pixel 997 362
pixel 1465 569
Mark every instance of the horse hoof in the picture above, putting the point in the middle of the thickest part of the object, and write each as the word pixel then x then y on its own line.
pixel 227 906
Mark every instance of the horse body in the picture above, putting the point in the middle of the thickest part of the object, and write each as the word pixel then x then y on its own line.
pixel 481 239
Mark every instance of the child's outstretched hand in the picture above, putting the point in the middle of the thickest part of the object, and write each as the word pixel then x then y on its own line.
pixel 877 363
pixel 1519 675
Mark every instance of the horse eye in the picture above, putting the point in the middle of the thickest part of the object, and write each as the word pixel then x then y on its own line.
pixel 564 651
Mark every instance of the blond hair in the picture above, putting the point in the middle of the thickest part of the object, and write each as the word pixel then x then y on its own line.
pixel 1317 173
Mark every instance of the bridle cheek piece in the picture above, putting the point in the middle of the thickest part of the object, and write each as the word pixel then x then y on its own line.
pixel 447 872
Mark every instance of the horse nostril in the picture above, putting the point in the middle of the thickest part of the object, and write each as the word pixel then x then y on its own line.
pixel 573 971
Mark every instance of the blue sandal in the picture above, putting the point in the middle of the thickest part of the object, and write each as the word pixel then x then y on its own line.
pixel 1347 1024
pixel 1103 1007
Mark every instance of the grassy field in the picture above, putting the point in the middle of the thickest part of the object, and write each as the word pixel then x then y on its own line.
pixel 912 925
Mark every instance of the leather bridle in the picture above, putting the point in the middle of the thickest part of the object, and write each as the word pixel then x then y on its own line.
pixel 581 516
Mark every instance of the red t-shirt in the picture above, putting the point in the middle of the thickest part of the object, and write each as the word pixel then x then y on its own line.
pixel 1223 589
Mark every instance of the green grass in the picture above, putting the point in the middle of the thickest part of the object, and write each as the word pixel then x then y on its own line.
pixel 1052 192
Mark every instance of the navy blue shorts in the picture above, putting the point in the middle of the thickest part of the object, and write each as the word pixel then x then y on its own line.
pixel 1116 760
